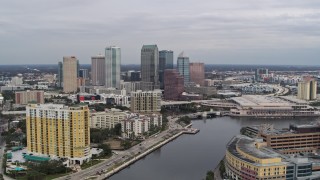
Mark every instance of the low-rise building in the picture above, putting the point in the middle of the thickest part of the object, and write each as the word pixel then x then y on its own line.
pixel 114 99
pixel 107 119
pixel 26 97
pixel 136 125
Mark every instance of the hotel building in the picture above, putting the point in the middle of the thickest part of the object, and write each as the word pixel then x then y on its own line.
pixel 248 158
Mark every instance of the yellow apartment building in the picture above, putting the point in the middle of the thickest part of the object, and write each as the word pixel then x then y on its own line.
pixel 59 131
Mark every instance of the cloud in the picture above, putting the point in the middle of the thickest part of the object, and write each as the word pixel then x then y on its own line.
pixel 246 28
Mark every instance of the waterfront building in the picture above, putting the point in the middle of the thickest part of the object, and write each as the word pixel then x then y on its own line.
pixel 184 68
pixel 70 74
pixel 173 85
pixel 294 140
pixel 113 63
pixel 165 62
pixel 136 125
pixel 197 73
pixel 149 67
pixel 60 75
pixel 98 67
pixel 307 89
pixel 248 158
pixel 270 106
pixel 26 97
pixel 59 131
pixel 107 119
pixel 146 101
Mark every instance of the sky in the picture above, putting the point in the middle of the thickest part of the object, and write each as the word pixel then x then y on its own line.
pixel 210 31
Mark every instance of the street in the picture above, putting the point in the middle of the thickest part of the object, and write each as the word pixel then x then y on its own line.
pixel 124 156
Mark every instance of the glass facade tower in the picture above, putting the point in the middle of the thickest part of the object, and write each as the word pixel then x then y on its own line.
pixel 113 62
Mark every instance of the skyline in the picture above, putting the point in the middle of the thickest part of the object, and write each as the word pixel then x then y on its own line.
pixel 213 32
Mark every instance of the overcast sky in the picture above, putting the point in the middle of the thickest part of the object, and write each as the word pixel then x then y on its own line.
pixel 210 31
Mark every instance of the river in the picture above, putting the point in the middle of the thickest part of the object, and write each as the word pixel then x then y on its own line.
pixel 189 157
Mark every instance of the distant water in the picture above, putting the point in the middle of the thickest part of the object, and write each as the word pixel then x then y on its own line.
pixel 189 157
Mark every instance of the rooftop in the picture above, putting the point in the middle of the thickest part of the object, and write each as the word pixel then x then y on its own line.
pixel 260 100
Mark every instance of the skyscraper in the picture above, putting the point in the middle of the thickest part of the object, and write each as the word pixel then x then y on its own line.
pixel 183 67
pixel 59 131
pixel 83 73
pixel 307 89
pixel 165 62
pixel 60 75
pixel 173 85
pixel 197 73
pixel 98 66
pixel 70 72
pixel 149 67
pixel 113 61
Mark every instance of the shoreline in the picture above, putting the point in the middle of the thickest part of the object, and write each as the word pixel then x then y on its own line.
pixel 142 155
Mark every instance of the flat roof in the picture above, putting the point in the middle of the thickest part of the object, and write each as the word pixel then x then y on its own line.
pixel 260 100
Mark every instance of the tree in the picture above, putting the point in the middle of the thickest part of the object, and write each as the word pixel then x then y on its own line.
pixel 222 168
pixel 106 149
pixel 185 120
pixel 126 144
pixel 117 129
pixel 210 175
pixel 49 167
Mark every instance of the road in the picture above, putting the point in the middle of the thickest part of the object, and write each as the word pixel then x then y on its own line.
pixel 2 146
pixel 124 156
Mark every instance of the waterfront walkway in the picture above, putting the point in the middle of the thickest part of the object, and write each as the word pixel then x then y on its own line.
pixel 124 158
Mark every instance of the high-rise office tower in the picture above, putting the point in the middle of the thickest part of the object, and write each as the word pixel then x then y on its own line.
pixel 149 67
pixel 197 73
pixel 59 131
pixel 113 62
pixel 83 73
pixel 70 74
pixel 183 67
pixel 173 85
pixel 98 67
pixel 165 62
pixel 60 75
pixel 307 89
